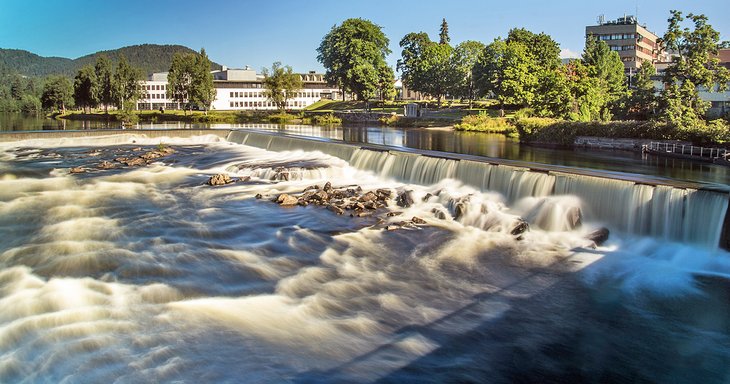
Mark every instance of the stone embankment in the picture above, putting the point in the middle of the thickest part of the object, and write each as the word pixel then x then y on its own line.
pixel 594 142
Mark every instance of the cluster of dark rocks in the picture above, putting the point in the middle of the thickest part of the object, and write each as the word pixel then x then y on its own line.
pixel 224 179
pixel 143 159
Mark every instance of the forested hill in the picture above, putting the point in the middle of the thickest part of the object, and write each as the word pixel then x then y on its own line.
pixel 149 57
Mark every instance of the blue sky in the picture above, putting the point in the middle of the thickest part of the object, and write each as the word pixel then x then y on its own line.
pixel 257 33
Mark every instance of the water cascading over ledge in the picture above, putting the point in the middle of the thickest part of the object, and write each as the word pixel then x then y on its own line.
pixel 663 211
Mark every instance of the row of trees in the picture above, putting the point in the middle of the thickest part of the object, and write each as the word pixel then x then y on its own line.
pixel 524 70
pixel 104 84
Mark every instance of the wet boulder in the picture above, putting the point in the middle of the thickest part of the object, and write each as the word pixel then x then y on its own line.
pixel 220 179
pixel 459 210
pixel 106 165
pixel 519 228
pixel 368 197
pixel 598 236
pixel 418 220
pixel 77 170
pixel 286 199
pixel 327 187
pixel 405 199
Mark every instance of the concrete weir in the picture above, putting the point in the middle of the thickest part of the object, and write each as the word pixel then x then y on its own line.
pixel 643 205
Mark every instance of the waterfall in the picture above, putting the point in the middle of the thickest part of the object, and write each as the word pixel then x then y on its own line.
pixel 662 211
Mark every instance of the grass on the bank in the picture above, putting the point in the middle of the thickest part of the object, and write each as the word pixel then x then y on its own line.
pixel 485 123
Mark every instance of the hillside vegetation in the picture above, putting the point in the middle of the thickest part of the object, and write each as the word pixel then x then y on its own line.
pixel 149 57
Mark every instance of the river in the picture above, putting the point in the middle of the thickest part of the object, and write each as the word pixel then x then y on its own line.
pixel 147 274
pixel 438 139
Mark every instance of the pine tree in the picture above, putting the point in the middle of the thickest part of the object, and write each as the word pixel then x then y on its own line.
pixel 444 35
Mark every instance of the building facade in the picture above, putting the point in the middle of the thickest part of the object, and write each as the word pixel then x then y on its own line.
pixel 239 89
pixel 633 42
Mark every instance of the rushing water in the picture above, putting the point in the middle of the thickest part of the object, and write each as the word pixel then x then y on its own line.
pixel 146 274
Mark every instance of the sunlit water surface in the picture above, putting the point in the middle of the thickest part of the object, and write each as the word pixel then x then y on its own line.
pixel 146 274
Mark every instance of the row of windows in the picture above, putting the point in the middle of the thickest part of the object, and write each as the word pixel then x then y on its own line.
pixel 255 94
pixel 617 36
pixel 623 47
pixel 261 104
pixel 156 87
pixel 153 96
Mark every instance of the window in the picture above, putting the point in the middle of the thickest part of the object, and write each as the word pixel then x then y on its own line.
pixel 231 104
pixel 231 97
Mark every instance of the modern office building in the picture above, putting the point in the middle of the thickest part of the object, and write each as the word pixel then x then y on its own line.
pixel 633 42
pixel 239 89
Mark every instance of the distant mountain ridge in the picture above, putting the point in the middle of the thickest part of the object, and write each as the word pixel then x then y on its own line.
pixel 150 57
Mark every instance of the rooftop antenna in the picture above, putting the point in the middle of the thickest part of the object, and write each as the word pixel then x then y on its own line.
pixel 601 19
pixel 637 12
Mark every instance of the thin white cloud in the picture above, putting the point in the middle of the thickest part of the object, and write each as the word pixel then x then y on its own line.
pixel 566 53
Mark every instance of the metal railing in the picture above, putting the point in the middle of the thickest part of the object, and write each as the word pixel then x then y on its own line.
pixel 689 150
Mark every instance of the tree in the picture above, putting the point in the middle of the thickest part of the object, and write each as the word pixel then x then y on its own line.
pixel 553 97
pixel 386 83
pixel 104 86
pixel 693 66
pixel 540 46
pixel 642 102
pixel 84 86
pixel 508 72
pixel 189 81
pixel 466 56
pixel 127 89
pixel 429 67
pixel 444 33
pixel 281 84
pixel 605 64
pixel 180 79
pixel 57 93
pixel 203 89
pixel 352 53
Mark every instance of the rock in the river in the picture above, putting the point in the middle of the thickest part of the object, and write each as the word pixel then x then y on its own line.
pixel 327 187
pixel 418 220
pixel 405 199
pixel 520 228
pixel 439 214
pixel 392 227
pixel 220 179
pixel 77 170
pixel 368 197
pixel 599 236
pixel 259 196
pixel 336 209
pixel 459 210
pixel 106 165
pixel 286 199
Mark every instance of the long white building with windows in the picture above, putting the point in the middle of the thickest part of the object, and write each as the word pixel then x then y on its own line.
pixel 239 89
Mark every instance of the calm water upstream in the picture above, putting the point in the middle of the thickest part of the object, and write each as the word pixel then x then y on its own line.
pixel 446 140
pixel 146 274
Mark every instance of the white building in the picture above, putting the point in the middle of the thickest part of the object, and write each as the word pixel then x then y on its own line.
pixel 240 89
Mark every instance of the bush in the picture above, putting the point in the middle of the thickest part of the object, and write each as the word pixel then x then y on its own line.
pixel 484 123
pixel 715 132
pixel 326 119
pixel 281 118
pixel 562 132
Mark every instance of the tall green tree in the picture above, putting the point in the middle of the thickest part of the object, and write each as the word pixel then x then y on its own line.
pixel 602 86
pixel 57 93
pixel 84 87
pixel 508 72
pixel 351 54
pixel 180 79
pixel 203 90
pixel 540 46
pixel 281 84
pixel 642 101
pixel 104 85
pixel 444 33
pixel 430 67
pixel 466 57
pixel 694 65
pixel 127 87
pixel 605 64
pixel 386 82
